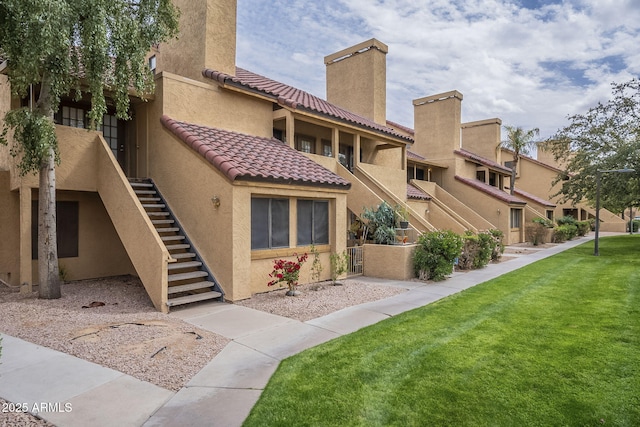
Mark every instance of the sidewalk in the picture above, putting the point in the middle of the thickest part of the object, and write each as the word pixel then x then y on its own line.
pixel 68 391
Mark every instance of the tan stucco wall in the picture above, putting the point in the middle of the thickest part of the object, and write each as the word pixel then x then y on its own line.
pixel 358 81
pixel 482 138
pixel 5 105
pixel 389 261
pixel 9 232
pixel 209 105
pixel 207 39
pixel 437 121
pixel 100 251
pixel 392 180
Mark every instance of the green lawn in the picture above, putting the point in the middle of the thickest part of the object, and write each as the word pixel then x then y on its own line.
pixel 556 343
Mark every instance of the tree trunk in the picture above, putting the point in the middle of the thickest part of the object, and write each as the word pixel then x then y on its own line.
pixel 512 184
pixel 48 270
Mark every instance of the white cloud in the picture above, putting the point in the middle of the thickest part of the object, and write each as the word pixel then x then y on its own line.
pixel 530 67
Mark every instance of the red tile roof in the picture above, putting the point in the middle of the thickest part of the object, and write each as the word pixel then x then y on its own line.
pixel 483 161
pixel 415 156
pixel 403 128
pixel 534 198
pixel 252 158
pixel 491 191
pixel 414 192
pixel 298 99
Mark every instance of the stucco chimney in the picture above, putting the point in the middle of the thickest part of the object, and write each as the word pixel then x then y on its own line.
pixel 357 79
pixel 437 123
pixel 483 137
pixel 207 39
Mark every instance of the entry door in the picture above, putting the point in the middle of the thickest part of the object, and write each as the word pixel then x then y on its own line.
pixel 113 132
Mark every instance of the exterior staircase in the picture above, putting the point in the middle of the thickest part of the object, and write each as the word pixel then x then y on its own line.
pixel 189 278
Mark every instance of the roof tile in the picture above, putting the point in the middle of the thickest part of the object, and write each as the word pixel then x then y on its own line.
pixel 534 198
pixel 414 192
pixel 491 190
pixel 482 160
pixel 245 157
pixel 298 99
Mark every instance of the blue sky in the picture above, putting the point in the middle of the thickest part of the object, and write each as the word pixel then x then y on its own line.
pixel 531 63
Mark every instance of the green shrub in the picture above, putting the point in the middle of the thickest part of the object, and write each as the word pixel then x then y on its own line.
pixel 381 223
pixel 536 233
pixel 435 254
pixel 477 250
pixel 636 225
pixel 545 222
pixel 562 233
pixel 566 220
pixel 498 247
pixel 583 228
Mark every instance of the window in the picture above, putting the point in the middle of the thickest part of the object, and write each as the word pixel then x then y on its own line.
pixel 492 179
pixel 306 144
pixel 67 219
pixel 73 117
pixel 481 176
pixel 516 218
pixel 269 223
pixel 152 63
pixel 326 148
pixel 110 132
pixel 313 222
pixel 550 215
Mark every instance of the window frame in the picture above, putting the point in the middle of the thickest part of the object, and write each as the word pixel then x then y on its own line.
pixel 283 226
pixel 318 230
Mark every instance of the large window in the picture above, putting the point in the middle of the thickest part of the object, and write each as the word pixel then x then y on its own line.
pixel 269 223
pixel 67 220
pixel 313 222
pixel 516 218
pixel 306 144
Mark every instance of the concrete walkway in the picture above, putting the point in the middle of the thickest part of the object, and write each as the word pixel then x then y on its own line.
pixel 68 391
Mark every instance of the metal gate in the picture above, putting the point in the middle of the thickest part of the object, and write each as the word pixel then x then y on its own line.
pixel 355 261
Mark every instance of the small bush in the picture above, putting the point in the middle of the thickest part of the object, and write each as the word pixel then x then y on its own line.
pixel 562 233
pixel 478 250
pixel 498 247
pixel 545 222
pixel 566 220
pixel 636 225
pixel 536 233
pixel 435 254
pixel 583 228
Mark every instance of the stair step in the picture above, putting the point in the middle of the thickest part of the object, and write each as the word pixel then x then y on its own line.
pixel 154 205
pixel 193 298
pixel 149 199
pixel 145 192
pixel 158 213
pixel 190 287
pixel 176 247
pixel 167 229
pixel 186 264
pixel 172 238
pixel 187 276
pixel 141 184
pixel 183 256
pixel 162 221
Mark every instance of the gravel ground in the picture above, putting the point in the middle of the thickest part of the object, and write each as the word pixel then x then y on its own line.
pixel 318 299
pixel 112 322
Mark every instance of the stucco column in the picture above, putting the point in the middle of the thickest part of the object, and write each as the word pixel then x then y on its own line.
pixel 26 275
pixel 335 143
pixel 291 129
pixel 356 150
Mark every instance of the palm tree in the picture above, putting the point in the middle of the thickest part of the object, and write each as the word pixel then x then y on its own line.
pixel 519 142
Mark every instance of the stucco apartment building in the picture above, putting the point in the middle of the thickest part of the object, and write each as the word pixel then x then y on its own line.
pixel 223 170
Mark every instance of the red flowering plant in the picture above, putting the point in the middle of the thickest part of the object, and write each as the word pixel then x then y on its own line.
pixel 287 271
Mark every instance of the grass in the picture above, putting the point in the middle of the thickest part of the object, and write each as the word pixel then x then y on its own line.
pixel 554 343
